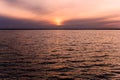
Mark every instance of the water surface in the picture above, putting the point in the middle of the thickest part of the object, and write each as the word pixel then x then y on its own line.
pixel 60 55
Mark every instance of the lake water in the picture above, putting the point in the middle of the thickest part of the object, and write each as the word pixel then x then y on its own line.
pixel 59 55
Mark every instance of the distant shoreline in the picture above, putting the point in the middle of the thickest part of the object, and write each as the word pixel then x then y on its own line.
pixel 59 29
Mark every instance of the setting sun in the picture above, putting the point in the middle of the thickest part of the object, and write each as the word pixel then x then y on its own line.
pixel 58 21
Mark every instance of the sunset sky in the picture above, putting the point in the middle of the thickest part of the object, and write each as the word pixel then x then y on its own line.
pixel 73 14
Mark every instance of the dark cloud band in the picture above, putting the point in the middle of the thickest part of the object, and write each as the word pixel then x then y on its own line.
pixel 96 23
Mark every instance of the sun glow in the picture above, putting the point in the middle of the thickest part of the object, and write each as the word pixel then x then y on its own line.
pixel 58 21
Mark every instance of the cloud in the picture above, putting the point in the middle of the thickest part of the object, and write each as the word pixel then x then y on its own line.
pixel 93 23
pixel 66 9
pixel 13 23
pixel 28 5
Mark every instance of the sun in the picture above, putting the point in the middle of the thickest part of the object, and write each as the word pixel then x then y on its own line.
pixel 58 21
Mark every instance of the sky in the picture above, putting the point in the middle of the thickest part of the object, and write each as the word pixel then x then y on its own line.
pixel 60 14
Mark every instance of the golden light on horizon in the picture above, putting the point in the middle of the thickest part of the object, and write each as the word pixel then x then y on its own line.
pixel 58 21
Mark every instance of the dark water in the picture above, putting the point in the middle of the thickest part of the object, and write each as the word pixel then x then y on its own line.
pixel 60 55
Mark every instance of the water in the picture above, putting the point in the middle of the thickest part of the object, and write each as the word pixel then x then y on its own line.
pixel 60 55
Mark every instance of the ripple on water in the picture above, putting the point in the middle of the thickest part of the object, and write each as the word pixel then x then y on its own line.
pixel 63 69
pixel 59 55
pixel 57 78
